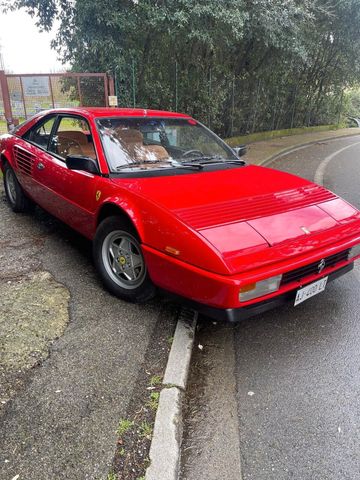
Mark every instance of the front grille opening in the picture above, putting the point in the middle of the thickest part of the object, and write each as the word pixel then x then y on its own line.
pixel 313 268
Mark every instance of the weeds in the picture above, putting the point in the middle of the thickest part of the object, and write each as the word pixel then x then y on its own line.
pixel 124 426
pixel 145 430
pixel 155 380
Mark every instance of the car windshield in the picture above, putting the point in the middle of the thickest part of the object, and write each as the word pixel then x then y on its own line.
pixel 157 143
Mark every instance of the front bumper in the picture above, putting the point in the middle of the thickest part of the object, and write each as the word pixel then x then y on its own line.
pixel 219 293
pixel 234 315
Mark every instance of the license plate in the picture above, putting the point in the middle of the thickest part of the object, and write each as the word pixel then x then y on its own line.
pixel 310 290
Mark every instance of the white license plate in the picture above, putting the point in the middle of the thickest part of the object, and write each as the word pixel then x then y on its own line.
pixel 310 290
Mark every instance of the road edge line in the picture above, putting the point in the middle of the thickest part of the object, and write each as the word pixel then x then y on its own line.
pixel 165 448
pixel 299 146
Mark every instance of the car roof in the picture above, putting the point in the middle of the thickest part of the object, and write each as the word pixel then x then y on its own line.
pixel 96 112
pixel 118 112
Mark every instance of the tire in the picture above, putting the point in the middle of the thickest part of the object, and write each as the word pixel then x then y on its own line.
pixel 119 261
pixel 15 195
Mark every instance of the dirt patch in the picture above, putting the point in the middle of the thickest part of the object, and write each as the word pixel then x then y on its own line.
pixel 34 312
pixel 33 306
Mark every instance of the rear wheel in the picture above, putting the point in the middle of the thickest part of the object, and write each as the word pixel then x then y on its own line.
pixel 120 262
pixel 15 195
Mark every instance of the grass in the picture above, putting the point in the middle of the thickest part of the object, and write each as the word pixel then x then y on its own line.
pixel 154 400
pixel 145 430
pixel 258 136
pixel 124 426
pixel 155 380
pixel 3 127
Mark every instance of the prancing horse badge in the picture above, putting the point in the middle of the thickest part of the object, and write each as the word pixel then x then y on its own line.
pixel 305 230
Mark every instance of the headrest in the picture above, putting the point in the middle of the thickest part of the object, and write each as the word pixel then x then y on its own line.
pixel 129 135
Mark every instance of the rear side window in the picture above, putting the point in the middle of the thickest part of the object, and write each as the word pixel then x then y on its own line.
pixel 40 134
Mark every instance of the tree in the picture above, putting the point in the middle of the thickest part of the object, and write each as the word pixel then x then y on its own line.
pixel 239 65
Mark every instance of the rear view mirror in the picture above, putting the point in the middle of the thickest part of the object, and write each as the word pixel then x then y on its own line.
pixel 78 162
pixel 240 150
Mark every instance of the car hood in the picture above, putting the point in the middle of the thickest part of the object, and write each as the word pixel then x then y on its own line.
pixel 214 197
pixel 244 210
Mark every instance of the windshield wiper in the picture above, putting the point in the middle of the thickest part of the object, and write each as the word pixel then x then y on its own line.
pixel 196 163
pixel 136 164
pixel 236 162
pixel 212 159
pixel 203 159
pixel 187 165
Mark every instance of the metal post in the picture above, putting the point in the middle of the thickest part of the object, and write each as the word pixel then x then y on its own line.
pixel 79 90
pixel 176 86
pixel 293 109
pixel 210 93
pixel 23 97
pixel 6 97
pixel 232 106
pixel 106 88
pixel 274 111
pixel 133 83
pixel 309 113
pixel 116 82
pixel 51 92
pixel 340 109
pixel 111 85
pixel 256 105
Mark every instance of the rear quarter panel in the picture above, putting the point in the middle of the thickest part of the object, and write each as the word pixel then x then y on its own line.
pixel 6 142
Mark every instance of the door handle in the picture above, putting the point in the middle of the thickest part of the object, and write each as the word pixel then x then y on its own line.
pixel 40 166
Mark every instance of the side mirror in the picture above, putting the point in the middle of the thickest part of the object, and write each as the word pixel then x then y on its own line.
pixel 78 162
pixel 240 150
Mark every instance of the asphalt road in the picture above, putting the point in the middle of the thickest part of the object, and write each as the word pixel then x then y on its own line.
pixel 295 372
pixel 61 422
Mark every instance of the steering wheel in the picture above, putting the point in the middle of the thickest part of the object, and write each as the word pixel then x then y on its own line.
pixel 192 152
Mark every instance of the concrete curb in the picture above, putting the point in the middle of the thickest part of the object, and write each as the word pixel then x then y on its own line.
pixel 168 428
pixel 177 368
pixel 299 146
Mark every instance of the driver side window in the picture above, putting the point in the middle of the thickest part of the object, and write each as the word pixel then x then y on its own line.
pixel 73 137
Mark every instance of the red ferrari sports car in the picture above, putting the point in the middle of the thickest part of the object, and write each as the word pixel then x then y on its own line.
pixel 170 206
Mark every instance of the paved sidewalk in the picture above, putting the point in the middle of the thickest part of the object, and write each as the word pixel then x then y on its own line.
pixel 260 152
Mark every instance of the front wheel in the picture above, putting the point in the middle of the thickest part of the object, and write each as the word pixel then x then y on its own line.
pixel 120 262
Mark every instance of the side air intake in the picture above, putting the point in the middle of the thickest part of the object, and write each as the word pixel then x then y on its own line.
pixel 24 160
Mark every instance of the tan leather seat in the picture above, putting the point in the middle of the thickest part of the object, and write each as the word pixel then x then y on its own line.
pixel 85 150
pixel 129 135
pixel 132 141
pixel 74 142
pixel 75 135
pixel 157 151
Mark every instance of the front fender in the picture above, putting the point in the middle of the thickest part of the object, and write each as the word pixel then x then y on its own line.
pixel 161 230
